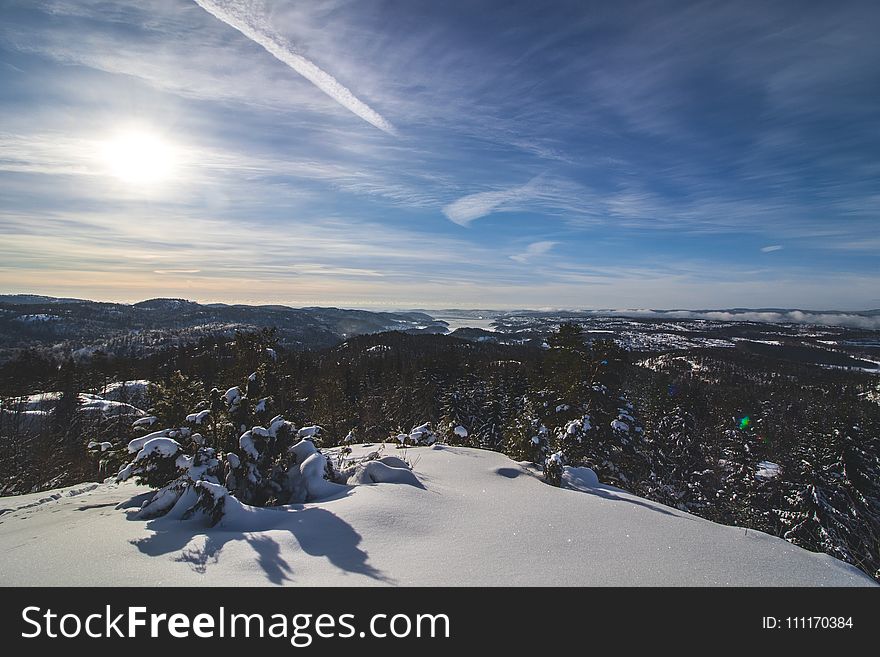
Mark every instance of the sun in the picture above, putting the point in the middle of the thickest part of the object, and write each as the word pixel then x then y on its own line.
pixel 139 157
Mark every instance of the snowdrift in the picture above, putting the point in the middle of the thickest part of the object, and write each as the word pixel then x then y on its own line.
pixel 466 517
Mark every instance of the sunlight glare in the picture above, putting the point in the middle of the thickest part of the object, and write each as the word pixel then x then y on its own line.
pixel 139 158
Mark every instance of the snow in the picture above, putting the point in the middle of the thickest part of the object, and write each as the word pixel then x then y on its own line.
pixel 246 443
pixel 481 518
pixel 583 479
pixel 42 317
pixel 103 407
pixel 25 420
pixel 103 446
pixel 309 432
pixel 148 421
pixel 276 424
pixel 198 418
pixel 306 479
pixel 43 401
pixel 460 431
pixel 134 392
pixel 233 396
pixel 768 470
pixel 89 404
pixel 375 472
pixel 617 425
pixel 420 435
pixel 137 444
pixel 166 447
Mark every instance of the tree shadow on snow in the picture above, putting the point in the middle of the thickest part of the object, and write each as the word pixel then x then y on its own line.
pixel 607 493
pixel 136 501
pixel 604 491
pixel 319 533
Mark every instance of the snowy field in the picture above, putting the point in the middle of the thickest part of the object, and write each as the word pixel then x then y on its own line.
pixel 476 518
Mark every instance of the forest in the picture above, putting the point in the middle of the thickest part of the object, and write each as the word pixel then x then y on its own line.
pixel 785 448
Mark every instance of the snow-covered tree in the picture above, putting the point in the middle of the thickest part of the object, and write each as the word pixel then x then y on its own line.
pixel 553 468
pixel 526 437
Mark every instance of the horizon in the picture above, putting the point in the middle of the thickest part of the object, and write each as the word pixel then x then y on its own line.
pixel 795 315
pixel 474 156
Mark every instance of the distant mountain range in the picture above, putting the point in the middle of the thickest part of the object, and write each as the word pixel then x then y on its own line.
pixel 81 327
pixel 64 326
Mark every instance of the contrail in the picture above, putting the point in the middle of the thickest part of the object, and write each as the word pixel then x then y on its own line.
pixel 238 16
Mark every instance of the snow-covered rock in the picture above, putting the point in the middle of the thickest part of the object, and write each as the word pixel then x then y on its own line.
pixel 374 472
pixel 579 478
pixel 768 470
pixel 132 392
pixel 104 408
pixel 44 401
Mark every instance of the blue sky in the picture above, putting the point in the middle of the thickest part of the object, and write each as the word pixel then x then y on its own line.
pixel 442 154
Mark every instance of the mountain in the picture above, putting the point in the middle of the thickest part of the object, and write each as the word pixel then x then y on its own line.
pixel 26 299
pixel 82 327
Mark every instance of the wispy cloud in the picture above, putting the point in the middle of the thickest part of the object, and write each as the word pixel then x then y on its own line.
pixel 684 127
pixel 473 206
pixel 533 250
pixel 771 248
pixel 243 17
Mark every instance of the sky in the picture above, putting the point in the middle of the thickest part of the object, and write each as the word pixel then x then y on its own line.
pixel 469 154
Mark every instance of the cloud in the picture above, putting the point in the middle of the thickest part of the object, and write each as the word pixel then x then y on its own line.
pixel 177 271
pixel 823 318
pixel 243 18
pixel 533 250
pixel 472 207
pixel 771 248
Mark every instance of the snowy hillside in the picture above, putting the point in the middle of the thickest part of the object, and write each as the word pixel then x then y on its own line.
pixel 473 517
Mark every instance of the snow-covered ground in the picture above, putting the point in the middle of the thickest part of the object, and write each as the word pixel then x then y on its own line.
pixel 477 518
